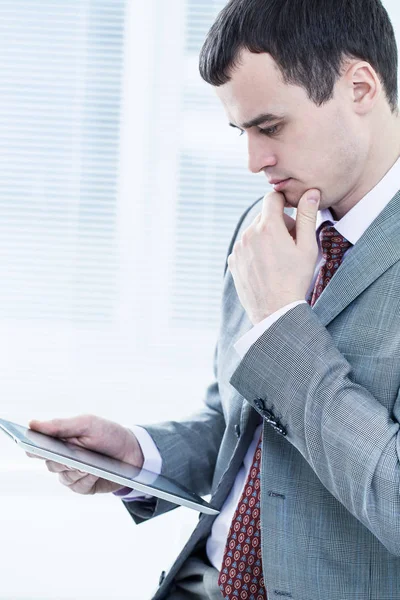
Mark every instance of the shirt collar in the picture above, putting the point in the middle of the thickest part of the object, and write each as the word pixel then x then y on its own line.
pixel 356 222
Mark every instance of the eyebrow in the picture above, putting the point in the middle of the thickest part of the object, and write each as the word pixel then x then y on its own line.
pixel 265 118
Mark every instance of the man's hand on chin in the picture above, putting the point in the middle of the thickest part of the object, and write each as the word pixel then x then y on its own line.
pixel 273 263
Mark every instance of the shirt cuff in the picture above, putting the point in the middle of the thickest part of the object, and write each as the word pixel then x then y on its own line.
pixel 152 463
pixel 250 338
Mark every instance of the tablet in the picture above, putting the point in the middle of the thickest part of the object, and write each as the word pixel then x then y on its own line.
pixel 105 467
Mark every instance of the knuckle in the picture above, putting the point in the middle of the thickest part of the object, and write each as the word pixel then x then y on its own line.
pixel 265 227
pixel 62 478
pixel 67 477
pixel 87 421
pixel 55 425
pixel 245 237
pixel 77 488
pixel 87 418
pixel 308 217
pixel 84 485
pixel 248 233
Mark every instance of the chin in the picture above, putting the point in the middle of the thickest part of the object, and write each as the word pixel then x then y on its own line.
pixel 291 200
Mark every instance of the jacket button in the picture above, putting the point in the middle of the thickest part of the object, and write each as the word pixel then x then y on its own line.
pixel 281 430
pixel 237 431
pixel 259 403
pixel 162 577
pixel 270 417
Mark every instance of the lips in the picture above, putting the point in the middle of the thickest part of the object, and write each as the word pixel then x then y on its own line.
pixel 281 184
pixel 276 181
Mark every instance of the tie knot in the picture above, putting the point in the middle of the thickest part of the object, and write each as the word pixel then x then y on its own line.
pixel 333 244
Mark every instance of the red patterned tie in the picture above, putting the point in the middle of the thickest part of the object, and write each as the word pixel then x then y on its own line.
pixel 241 575
pixel 333 247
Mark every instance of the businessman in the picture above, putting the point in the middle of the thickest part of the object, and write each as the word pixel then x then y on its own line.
pixel 298 441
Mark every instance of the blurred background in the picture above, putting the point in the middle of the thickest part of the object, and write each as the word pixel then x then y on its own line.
pixel 120 188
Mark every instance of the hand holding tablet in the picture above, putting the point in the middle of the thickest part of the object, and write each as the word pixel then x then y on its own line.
pixel 93 455
pixel 96 434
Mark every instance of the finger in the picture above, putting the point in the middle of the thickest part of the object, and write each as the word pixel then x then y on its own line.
pixel 290 223
pixel 55 467
pixel 69 478
pixel 63 428
pixel 256 220
pixel 273 212
pixel 34 456
pixel 84 484
pixel 306 221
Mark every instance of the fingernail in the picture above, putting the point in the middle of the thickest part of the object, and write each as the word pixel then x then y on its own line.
pixel 313 198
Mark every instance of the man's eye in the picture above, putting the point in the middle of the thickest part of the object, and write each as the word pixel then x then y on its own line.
pixel 270 130
pixel 242 132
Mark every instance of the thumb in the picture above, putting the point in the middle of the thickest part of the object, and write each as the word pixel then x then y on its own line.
pixel 63 428
pixel 306 222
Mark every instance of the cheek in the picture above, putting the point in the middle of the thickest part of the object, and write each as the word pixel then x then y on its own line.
pixel 346 156
pixel 347 147
pixel 309 149
pixel 333 152
pixel 322 150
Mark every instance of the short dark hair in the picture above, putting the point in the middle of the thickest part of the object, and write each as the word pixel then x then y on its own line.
pixel 308 39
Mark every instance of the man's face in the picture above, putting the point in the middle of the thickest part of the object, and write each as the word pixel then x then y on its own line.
pixel 314 147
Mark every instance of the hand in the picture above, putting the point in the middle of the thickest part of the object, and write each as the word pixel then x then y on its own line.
pixel 96 434
pixel 273 264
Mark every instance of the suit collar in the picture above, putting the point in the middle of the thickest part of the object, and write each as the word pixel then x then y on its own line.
pixel 376 251
pixel 355 223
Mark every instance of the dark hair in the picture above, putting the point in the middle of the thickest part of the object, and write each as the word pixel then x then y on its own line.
pixel 308 39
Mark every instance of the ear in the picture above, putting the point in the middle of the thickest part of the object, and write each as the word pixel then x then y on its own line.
pixel 364 86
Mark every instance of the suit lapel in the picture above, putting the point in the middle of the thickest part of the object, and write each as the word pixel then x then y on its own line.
pixel 376 251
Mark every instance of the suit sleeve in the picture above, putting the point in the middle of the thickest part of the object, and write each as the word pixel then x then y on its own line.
pixel 295 372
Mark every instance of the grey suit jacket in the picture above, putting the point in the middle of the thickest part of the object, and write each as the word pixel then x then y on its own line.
pixel 325 381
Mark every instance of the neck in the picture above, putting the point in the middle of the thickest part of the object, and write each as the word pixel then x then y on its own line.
pixel 383 154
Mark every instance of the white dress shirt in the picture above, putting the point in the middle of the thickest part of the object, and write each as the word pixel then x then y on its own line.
pixel 352 226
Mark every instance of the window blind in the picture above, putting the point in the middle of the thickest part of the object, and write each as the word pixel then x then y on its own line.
pixel 61 72
pixel 214 185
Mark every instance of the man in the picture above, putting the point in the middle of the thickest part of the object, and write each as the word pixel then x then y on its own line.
pixel 298 441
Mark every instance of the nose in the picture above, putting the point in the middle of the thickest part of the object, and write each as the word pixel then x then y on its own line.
pixel 260 153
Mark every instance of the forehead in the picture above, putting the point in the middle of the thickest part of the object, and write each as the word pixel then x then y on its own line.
pixel 256 86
